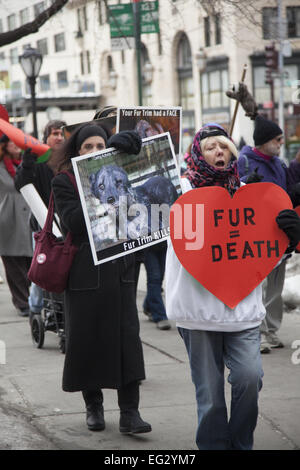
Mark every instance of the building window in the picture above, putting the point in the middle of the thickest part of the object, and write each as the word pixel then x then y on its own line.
pixel 62 79
pixel 24 16
pixel 207 31
pixel 59 42
pixel 42 46
pixel 14 57
pixel 102 13
pixel 146 84
pixel 186 89
pixel 16 89
pixel 82 21
pixel 218 37
pixel 38 8
pixel 85 63
pixel 82 63
pixel 185 74
pixel 11 22
pixel 293 17
pixel 88 62
pixel 44 82
pixel 214 84
pixel 262 91
pixel 269 22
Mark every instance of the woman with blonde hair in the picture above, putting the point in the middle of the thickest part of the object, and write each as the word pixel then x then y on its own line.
pixel 215 335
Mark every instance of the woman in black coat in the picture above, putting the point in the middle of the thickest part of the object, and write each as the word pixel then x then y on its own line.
pixel 103 347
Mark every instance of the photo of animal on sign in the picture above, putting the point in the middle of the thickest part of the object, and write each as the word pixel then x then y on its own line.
pixel 126 199
pixel 147 121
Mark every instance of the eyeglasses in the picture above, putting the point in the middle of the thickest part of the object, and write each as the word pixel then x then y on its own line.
pixel 211 131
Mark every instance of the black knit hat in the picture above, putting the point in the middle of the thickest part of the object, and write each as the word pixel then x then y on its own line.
pixel 265 130
pixel 4 139
pixel 89 130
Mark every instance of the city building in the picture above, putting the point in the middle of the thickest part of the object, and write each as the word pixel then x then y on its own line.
pixel 197 54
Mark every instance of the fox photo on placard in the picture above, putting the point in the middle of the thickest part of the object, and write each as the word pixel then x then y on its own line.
pixel 126 199
pixel 148 121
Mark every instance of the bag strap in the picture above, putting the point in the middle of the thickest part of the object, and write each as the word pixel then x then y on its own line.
pixel 50 215
pixel 48 227
pixel 71 178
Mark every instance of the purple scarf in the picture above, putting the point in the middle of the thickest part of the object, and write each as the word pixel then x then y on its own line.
pixel 200 173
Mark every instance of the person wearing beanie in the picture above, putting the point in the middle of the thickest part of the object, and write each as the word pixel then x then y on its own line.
pixel 40 175
pixel 103 346
pixel 262 163
pixel 15 235
pixel 216 336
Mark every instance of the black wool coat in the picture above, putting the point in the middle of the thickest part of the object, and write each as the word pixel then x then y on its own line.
pixel 40 175
pixel 103 347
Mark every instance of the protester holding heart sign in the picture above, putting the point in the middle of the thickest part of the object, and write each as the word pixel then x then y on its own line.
pixel 217 334
pixel 263 163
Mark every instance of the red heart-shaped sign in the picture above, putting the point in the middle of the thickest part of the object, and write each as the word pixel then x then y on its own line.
pixel 297 209
pixel 229 244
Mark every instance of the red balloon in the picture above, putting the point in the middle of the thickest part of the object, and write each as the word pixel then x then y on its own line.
pixel 229 244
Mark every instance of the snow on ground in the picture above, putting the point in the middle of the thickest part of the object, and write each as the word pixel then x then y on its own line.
pixel 291 289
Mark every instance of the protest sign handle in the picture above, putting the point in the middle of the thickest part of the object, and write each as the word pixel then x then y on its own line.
pixel 237 103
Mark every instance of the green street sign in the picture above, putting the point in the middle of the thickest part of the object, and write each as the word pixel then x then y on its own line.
pixel 121 19
pixel 149 17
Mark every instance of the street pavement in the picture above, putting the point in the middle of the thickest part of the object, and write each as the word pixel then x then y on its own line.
pixel 35 413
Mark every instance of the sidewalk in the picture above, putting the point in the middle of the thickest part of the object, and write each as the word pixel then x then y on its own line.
pixel 36 414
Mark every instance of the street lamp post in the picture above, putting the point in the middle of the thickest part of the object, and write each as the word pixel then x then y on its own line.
pixel 31 62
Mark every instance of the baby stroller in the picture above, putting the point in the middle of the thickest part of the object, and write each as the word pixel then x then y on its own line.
pixel 50 319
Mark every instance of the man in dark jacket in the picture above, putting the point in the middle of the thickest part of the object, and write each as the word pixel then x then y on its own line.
pixel 262 163
pixel 40 175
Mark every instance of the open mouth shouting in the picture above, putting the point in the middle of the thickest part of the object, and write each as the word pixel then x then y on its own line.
pixel 220 164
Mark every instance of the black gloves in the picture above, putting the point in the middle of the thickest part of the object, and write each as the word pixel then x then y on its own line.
pixel 29 158
pixel 254 177
pixel 245 98
pixel 289 221
pixel 295 194
pixel 126 141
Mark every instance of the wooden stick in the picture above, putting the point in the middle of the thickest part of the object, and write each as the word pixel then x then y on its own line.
pixel 237 103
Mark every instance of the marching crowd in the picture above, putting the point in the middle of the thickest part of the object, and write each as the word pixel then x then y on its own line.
pixel 105 350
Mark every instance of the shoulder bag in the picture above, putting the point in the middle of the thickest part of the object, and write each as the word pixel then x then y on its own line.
pixel 52 257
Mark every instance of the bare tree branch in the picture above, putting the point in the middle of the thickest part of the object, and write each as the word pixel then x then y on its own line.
pixel 33 26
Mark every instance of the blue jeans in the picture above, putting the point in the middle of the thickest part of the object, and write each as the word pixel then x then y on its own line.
pixel 35 299
pixel 155 259
pixel 209 352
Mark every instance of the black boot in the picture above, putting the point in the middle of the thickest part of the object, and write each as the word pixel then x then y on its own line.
pixel 130 419
pixel 94 410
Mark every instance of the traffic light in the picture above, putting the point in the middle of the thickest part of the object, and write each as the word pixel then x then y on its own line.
pixel 271 62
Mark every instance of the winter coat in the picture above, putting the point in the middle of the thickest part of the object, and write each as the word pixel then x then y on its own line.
pixel 40 176
pixel 103 347
pixel 194 307
pixel 15 233
pixel 273 170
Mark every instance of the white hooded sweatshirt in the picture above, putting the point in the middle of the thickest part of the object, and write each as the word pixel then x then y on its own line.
pixel 195 308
